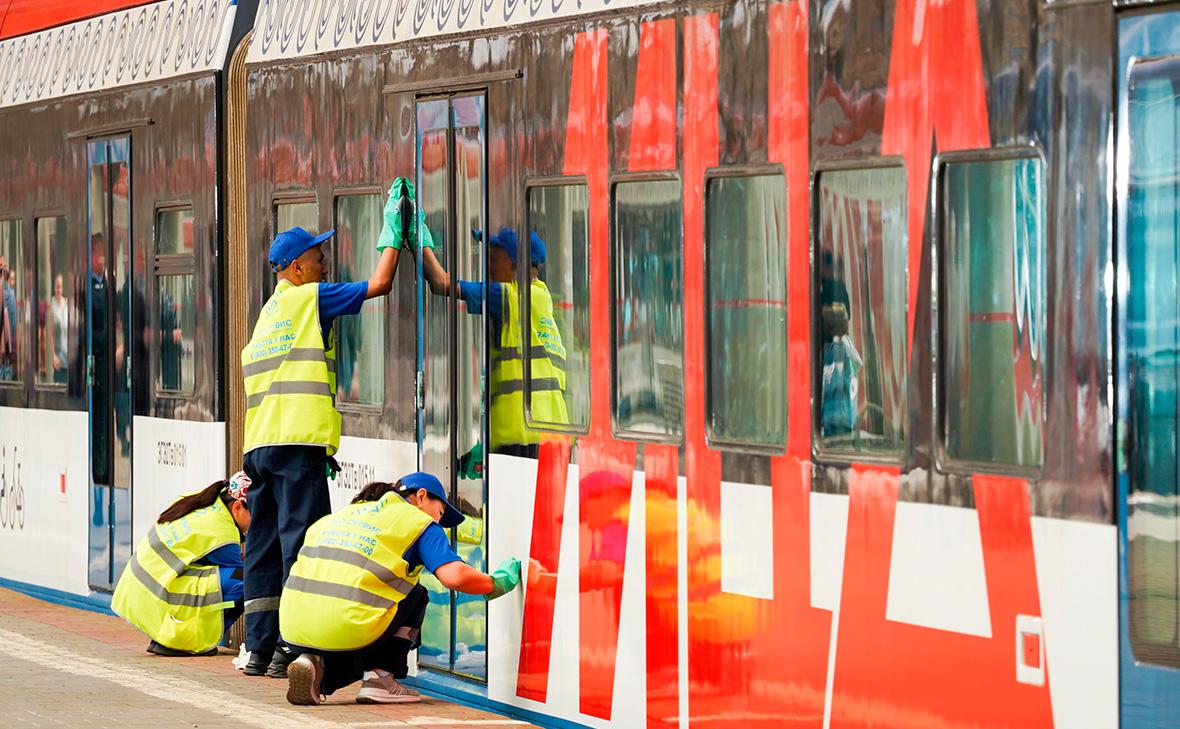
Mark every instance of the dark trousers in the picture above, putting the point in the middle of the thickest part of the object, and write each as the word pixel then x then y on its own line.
pixel 388 653
pixel 288 493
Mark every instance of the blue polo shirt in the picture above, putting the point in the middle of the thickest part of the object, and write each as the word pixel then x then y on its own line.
pixel 340 299
pixel 432 549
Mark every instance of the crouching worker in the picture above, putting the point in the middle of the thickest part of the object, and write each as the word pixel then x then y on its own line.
pixel 183 586
pixel 353 602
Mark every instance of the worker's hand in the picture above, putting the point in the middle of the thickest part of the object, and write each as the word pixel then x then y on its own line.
pixel 505 578
pixel 393 230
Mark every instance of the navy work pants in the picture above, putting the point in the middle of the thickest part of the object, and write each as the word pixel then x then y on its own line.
pixel 288 493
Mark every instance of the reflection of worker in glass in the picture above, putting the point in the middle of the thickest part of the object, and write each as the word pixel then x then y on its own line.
pixel 841 361
pixel 171 339
pixel 59 310
pixel 8 319
pixel 507 429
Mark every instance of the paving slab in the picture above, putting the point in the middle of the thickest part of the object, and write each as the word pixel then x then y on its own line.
pixel 65 667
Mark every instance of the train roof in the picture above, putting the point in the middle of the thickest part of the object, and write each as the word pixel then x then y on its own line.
pixel 136 44
pixel 285 29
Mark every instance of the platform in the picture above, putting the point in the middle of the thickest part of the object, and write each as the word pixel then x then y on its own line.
pixel 64 667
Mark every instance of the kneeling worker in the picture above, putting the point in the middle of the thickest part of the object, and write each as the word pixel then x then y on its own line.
pixel 353 602
pixel 183 586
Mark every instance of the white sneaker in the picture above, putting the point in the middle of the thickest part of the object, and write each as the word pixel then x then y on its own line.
pixel 379 687
pixel 304 675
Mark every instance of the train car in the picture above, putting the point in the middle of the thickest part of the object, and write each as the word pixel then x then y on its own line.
pixel 863 409
pixel 112 207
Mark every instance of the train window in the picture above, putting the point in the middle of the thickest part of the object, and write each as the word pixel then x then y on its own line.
pixel 861 298
pixel 649 326
pixel 559 306
pixel 360 340
pixel 304 214
pixel 12 301
pixel 746 310
pixel 991 311
pixel 176 301
pixel 56 284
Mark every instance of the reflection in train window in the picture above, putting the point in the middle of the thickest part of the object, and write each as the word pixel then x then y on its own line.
pixel 176 318
pixel 559 306
pixel 747 310
pixel 12 301
pixel 360 340
pixel 860 263
pixel 304 214
pixel 991 311
pixel 56 284
pixel 649 326
pixel 1152 337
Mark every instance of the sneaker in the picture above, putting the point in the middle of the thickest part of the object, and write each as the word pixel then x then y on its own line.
pixel 279 662
pixel 380 687
pixel 303 680
pixel 163 650
pixel 258 663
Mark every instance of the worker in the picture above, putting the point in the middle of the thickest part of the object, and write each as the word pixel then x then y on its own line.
pixel 183 586
pixel 507 429
pixel 353 604
pixel 292 425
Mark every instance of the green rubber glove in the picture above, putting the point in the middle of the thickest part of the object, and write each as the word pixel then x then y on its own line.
pixel 506 578
pixel 397 230
pixel 471 463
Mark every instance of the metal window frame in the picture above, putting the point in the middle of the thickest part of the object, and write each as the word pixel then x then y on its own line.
pixel 943 461
pixel 711 438
pixel 826 455
pixel 20 384
pixel 165 265
pixel 617 429
pixel 39 215
pixel 530 184
pixel 346 406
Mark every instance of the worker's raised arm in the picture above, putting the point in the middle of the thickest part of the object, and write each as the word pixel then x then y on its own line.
pixel 398 230
pixel 461 577
pixel 381 282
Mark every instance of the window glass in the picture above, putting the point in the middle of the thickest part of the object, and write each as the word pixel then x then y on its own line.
pixel 305 215
pixel 1152 337
pixel 55 284
pixel 649 329
pixel 175 364
pixel 747 309
pixel 991 311
pixel 559 302
pixel 360 344
pixel 861 293
pixel 12 301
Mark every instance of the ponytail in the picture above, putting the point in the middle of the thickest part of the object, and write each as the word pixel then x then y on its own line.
pixel 185 505
pixel 375 490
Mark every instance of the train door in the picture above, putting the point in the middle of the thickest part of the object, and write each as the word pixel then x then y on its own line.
pixel 1148 367
pixel 109 356
pixel 452 195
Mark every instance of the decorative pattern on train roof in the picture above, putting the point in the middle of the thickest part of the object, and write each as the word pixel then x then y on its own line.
pixel 146 43
pixel 21 17
pixel 292 28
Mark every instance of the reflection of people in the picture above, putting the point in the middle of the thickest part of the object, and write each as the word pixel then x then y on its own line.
pixel 183 585
pixel 292 425
pixel 59 311
pixel 353 602
pixel 507 429
pixel 132 349
pixel 171 340
pixel 841 361
pixel 100 393
pixel 8 319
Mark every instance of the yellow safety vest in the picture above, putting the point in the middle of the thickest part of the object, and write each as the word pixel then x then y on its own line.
pixel 350 575
pixel 164 594
pixel 290 375
pixel 547 364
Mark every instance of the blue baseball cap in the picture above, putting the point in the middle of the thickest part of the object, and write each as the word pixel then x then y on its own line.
pixel 293 243
pixel 505 240
pixel 419 480
pixel 536 249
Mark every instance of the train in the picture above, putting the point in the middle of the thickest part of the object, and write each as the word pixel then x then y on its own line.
pixel 867 393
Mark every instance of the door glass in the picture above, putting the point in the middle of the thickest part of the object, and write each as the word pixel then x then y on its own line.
pixel 470 643
pixel 1153 361
pixel 12 271
pixel 116 341
pixel 436 312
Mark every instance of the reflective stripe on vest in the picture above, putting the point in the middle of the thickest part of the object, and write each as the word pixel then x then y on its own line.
pixel 289 374
pixel 547 355
pixel 351 574
pixel 164 594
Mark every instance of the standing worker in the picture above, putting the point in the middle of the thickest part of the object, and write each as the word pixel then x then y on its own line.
pixel 353 603
pixel 183 585
pixel 292 426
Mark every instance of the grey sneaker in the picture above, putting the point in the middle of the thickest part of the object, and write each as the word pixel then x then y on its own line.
pixel 380 687
pixel 303 680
